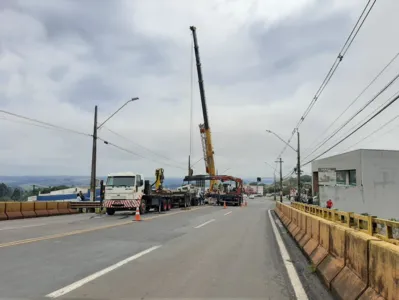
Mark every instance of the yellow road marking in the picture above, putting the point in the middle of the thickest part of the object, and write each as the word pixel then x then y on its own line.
pixel 60 235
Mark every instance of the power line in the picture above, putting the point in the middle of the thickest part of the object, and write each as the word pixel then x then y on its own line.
pixel 336 63
pixel 356 114
pixel 375 131
pixel 136 154
pixel 338 60
pixel 357 98
pixel 44 123
pixel 141 146
pixel 350 134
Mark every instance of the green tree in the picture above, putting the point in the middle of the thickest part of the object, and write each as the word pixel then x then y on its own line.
pixel 17 194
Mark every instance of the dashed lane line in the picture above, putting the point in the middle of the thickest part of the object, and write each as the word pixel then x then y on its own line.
pixel 203 224
pixel 83 281
pixel 81 231
pixel 228 213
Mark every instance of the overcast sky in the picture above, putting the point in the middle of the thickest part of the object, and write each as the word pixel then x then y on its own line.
pixel 262 63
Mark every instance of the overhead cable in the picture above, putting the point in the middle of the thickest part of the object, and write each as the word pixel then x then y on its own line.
pixel 374 132
pixel 356 114
pixel 137 154
pixel 355 30
pixel 44 123
pixel 354 131
pixel 357 98
pixel 141 146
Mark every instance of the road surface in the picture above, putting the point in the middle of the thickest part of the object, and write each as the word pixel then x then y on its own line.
pixel 202 253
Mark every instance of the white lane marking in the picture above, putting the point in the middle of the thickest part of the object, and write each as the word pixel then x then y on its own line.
pixel 25 226
pixel 203 224
pixel 292 274
pixel 91 277
pixel 228 213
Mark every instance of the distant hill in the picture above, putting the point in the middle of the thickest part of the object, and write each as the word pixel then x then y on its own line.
pixel 26 182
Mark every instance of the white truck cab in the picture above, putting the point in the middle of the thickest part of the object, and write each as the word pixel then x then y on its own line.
pixel 123 190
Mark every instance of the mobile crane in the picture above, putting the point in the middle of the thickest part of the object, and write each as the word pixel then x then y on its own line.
pixel 205 131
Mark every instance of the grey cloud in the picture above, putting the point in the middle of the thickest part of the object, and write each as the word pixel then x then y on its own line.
pixel 58 73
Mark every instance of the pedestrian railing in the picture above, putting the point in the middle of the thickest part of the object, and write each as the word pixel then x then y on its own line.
pixel 387 230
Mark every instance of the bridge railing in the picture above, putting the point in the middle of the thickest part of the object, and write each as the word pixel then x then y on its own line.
pixel 387 230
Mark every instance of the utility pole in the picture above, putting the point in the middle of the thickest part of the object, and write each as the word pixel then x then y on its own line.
pixel 275 186
pixel 299 167
pixel 281 179
pixel 94 159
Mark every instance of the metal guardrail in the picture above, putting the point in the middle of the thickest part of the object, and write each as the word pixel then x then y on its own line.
pixel 383 229
pixel 85 204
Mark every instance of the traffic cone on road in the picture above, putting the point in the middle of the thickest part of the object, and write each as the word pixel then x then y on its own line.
pixel 246 203
pixel 224 204
pixel 137 216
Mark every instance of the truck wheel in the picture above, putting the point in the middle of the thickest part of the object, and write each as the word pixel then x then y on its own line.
pixel 164 206
pixel 110 211
pixel 142 209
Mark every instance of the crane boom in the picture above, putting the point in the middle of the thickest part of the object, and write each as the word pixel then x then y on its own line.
pixel 204 128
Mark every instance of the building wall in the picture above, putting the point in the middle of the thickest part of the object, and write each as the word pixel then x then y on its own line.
pixel 377 182
pixel 381 182
pixel 344 197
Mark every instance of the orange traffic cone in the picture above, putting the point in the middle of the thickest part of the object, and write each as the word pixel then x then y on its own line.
pixel 224 204
pixel 137 216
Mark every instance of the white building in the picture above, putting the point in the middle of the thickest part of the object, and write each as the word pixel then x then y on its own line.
pixel 361 181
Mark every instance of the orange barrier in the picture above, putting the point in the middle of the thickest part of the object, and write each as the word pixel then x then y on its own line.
pixel 13 210
pixel 352 263
pixel 41 209
pixel 52 208
pixel 62 208
pixel 3 215
pixel 383 272
pixel 293 228
pixel 321 251
pixel 28 209
pixel 302 227
pixel 313 242
pixel 308 231
pixel 334 262
pixel 353 279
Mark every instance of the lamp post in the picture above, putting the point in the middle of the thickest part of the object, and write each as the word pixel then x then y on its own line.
pixel 274 169
pixel 96 127
pixel 298 157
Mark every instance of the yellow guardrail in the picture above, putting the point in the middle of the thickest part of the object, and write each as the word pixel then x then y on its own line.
pixel 386 230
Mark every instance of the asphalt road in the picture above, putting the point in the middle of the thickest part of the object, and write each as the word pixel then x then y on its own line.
pixel 202 253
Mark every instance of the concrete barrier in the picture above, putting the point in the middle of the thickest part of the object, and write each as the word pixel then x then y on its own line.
pixel 293 228
pixel 3 215
pixel 308 231
pixel 13 210
pixel 52 208
pixel 41 209
pixel 353 279
pixel 313 242
pixel 321 251
pixel 62 208
pixel 334 262
pixel 353 264
pixel 383 272
pixel 28 209
pixel 302 227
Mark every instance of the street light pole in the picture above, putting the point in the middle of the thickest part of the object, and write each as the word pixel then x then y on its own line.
pixel 94 159
pixel 299 167
pixel 275 182
pixel 281 178
pixel 298 157
pixel 94 150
